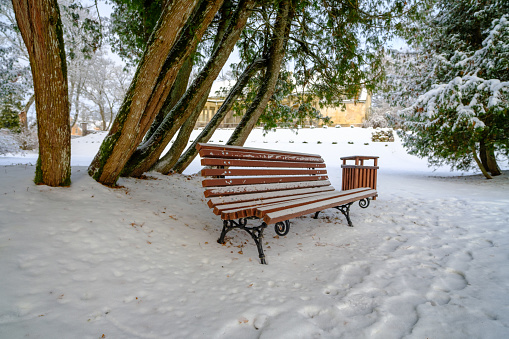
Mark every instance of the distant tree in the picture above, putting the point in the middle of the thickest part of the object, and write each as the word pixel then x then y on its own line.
pixel 105 88
pixel 382 114
pixel 83 39
pixel 456 85
pixel 41 28
pixel 15 77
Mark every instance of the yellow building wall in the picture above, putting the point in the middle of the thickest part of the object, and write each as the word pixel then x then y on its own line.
pixel 353 113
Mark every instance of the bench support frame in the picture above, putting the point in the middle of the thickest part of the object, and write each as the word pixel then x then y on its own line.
pixel 345 209
pixel 256 233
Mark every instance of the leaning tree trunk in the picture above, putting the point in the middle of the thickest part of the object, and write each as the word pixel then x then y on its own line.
pixel 177 90
pixel 479 163
pixel 275 59
pixel 41 28
pixel 488 158
pixel 170 158
pixel 205 135
pixel 176 149
pixel 147 154
pixel 170 44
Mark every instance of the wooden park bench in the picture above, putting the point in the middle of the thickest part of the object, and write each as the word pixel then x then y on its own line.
pixel 274 186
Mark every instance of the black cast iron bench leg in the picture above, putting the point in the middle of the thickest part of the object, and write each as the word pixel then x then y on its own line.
pixel 345 209
pixel 255 232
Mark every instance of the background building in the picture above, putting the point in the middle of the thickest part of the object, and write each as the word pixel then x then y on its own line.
pixel 350 112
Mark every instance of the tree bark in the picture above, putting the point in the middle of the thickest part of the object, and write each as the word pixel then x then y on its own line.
pixel 147 154
pixel 275 59
pixel 77 103
pixel 170 158
pixel 488 158
pixel 205 135
pixel 177 90
pixel 41 28
pixel 479 163
pixel 170 44
pixel 24 123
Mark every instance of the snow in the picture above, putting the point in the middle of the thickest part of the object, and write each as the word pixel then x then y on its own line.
pixel 427 259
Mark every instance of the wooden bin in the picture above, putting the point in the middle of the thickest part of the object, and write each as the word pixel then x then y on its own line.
pixel 359 175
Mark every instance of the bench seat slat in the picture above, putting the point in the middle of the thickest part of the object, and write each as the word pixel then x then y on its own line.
pixel 242 189
pixel 253 172
pixel 261 211
pixel 260 180
pixel 260 163
pixel 274 217
pixel 259 202
pixel 253 208
pixel 220 200
pixel 252 155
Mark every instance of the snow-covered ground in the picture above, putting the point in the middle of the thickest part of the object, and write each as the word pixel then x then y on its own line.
pixel 428 259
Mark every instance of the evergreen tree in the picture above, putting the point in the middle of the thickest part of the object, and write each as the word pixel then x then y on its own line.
pixel 9 110
pixel 456 85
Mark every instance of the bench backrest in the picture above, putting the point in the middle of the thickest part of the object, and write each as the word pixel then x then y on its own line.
pixel 238 172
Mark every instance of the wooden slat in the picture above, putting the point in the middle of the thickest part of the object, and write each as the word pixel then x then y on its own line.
pixel 243 189
pixel 274 217
pixel 222 154
pixel 207 172
pixel 262 210
pixel 219 200
pixel 259 163
pixel 259 202
pixel 358 166
pixel 260 180
pixel 258 209
pixel 249 210
pixel 202 146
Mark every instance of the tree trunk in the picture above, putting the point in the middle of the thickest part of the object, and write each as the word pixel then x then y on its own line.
pixel 205 135
pixel 177 90
pixel 488 158
pixel 77 103
pixel 170 44
pixel 164 164
pixel 24 122
pixel 102 113
pixel 41 28
pixel 147 154
pixel 275 58
pixel 479 163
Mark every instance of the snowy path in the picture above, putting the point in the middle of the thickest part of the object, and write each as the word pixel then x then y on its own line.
pixel 428 259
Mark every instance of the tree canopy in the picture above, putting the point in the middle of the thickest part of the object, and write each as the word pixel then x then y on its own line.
pixel 457 84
